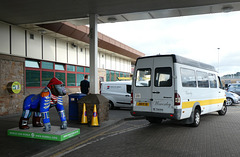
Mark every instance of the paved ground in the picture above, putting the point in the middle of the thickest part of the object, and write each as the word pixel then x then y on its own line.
pixel 17 146
pixel 218 127
pixel 217 136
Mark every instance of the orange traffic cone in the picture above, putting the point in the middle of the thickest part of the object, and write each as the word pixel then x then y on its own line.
pixel 94 117
pixel 84 115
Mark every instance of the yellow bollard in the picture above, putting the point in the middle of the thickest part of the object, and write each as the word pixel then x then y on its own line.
pixel 94 117
pixel 84 115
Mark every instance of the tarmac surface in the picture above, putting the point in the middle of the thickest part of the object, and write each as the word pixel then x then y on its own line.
pixel 19 146
pixel 224 126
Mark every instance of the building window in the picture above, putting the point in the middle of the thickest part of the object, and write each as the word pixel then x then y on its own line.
pixel 112 76
pixel 117 75
pixel 71 79
pixel 80 77
pixel 39 73
pixel 47 65
pixel 46 77
pixel 121 74
pixel 87 70
pixel 59 67
pixel 70 68
pixel 107 75
pixel 31 64
pixel 60 76
pixel 32 78
pixel 80 69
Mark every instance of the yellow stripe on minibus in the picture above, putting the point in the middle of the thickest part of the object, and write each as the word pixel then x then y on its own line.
pixel 189 104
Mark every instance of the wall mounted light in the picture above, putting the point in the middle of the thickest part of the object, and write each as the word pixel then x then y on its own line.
pixel 41 31
pixel 74 45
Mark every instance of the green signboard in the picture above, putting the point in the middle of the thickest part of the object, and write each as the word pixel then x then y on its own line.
pixel 36 133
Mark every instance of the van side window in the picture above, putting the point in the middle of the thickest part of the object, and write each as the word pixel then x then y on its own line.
pixel 163 77
pixel 129 89
pixel 143 77
pixel 212 80
pixel 202 78
pixel 188 78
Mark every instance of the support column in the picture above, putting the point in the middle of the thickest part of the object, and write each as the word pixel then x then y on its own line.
pixel 93 35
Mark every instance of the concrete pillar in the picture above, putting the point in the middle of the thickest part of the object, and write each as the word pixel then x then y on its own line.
pixel 93 54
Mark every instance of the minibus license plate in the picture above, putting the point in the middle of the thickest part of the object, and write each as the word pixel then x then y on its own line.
pixel 142 104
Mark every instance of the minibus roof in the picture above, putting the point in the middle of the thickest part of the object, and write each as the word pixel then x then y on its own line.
pixel 186 61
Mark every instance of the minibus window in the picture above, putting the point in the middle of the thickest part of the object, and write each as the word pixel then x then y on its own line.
pixel 143 78
pixel 188 78
pixel 212 80
pixel 163 77
pixel 202 78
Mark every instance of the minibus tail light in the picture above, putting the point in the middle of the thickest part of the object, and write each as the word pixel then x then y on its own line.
pixel 131 97
pixel 177 99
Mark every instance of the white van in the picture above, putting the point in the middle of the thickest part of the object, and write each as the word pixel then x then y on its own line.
pixel 118 93
pixel 174 87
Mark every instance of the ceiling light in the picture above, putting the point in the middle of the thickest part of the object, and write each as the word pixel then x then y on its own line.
pixel 112 19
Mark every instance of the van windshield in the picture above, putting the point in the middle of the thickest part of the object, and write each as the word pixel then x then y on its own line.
pixel 163 77
pixel 143 77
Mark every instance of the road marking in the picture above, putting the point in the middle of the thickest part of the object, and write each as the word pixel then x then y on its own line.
pixel 105 135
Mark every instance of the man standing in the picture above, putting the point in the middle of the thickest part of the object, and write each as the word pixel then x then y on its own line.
pixel 84 85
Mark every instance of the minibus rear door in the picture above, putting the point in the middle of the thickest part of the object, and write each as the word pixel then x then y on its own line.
pixel 142 93
pixel 163 85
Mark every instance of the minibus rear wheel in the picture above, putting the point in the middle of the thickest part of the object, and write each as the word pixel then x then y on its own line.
pixel 196 118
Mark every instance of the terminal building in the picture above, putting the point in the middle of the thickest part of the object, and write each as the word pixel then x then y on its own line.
pixel 33 54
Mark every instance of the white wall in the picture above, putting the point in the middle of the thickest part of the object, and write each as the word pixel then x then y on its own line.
pixel 108 62
pixel 4 38
pixel 51 49
pixel 113 62
pixel 129 67
pixel 72 54
pixel 61 51
pixel 18 41
pixel 81 56
pixel 34 46
pixel 117 63
pixel 102 60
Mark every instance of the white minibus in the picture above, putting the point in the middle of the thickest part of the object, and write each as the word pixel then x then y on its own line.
pixel 174 87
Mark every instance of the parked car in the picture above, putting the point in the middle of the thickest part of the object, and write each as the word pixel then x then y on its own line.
pixel 232 98
pixel 234 87
pixel 118 93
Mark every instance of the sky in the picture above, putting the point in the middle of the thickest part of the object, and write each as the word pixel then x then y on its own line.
pixel 211 38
